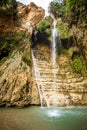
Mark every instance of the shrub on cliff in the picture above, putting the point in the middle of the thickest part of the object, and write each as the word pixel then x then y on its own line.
pixel 63 28
pixel 42 26
pixel 78 65
pixel 10 42
pixel 76 10
pixel 26 58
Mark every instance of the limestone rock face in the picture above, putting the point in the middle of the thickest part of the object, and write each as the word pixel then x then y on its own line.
pixel 66 88
pixel 27 16
pixel 17 87
pixel 31 14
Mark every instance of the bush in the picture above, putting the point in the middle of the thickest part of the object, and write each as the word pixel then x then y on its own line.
pixel 76 10
pixel 63 28
pixel 26 58
pixel 42 26
pixel 56 8
pixel 78 65
pixel 10 42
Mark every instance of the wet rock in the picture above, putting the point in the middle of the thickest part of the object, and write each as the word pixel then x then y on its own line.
pixel 63 91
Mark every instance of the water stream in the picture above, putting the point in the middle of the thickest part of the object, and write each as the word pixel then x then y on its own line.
pixel 39 84
pixel 43 96
pixel 54 56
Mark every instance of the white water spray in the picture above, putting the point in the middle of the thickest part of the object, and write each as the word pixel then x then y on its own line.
pixel 54 56
pixel 39 84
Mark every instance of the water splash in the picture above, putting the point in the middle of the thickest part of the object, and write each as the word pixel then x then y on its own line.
pixel 54 113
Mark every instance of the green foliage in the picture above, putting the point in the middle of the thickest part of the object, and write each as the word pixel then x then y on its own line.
pixel 55 8
pixel 78 65
pixel 3 2
pixel 26 58
pixel 73 11
pixel 64 29
pixel 62 10
pixel 42 26
pixel 8 6
pixel 10 42
pixel 70 51
pixel 77 10
pixel 5 11
pixel 14 4
pixel 48 20
pixel 8 2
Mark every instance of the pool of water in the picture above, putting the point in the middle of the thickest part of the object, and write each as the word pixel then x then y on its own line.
pixel 36 118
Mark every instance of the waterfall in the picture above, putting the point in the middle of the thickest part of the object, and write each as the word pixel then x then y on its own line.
pixel 39 84
pixel 46 73
pixel 54 56
pixel 37 75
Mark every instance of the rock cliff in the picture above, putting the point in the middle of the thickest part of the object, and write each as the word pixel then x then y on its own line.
pixel 17 85
pixel 30 15
pixel 67 89
pixel 27 16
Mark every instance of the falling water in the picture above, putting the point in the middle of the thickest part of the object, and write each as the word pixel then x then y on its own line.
pixel 39 84
pixel 54 56
pixel 37 75
pixel 44 98
pixel 54 42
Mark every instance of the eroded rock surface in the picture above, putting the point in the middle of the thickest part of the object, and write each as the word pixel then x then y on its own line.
pixel 17 86
pixel 30 15
pixel 17 83
pixel 64 90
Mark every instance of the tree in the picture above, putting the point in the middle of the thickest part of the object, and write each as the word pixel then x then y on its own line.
pixel 8 2
pixel 13 3
pixel 3 2
pixel 77 10
pixel 56 8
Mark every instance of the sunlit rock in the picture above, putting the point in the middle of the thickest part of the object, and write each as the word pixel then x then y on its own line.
pixel 30 15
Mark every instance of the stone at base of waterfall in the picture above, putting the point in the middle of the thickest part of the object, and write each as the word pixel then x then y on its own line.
pixel 63 100
pixel 79 98
pixel 60 100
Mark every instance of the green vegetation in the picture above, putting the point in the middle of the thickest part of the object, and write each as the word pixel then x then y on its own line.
pixel 56 8
pixel 78 65
pixel 42 26
pixel 5 3
pixel 77 10
pixel 8 9
pixel 26 58
pixel 71 18
pixel 10 42
pixel 72 11
pixel 63 27
pixel 44 30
